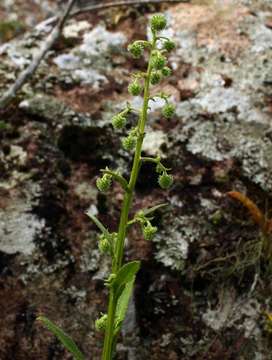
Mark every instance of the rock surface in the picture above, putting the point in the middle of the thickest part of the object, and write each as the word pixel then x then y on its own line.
pixel 204 286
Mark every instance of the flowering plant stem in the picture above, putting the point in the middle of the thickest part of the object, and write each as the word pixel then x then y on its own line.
pixel 117 261
pixel 122 277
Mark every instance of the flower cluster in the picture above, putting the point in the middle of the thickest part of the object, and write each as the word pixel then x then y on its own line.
pixel 106 242
pixel 130 141
pixel 120 281
pixel 165 180
pixel 101 323
pixel 104 183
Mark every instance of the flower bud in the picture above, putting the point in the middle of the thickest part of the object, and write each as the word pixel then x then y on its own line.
pixel 168 110
pixel 155 77
pixel 169 45
pixel 149 231
pixel 103 184
pixel 158 22
pixel 104 244
pixel 166 71
pixel 158 61
pixel 101 323
pixel 129 142
pixel 135 88
pixel 165 180
pixel 118 121
pixel 136 49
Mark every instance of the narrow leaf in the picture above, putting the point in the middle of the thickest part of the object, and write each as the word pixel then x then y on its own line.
pixel 98 223
pixel 153 208
pixel 126 274
pixel 65 339
pixel 123 301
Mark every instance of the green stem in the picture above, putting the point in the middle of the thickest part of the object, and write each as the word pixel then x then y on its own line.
pixel 119 249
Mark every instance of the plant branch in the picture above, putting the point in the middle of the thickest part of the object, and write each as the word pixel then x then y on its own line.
pixel 122 229
pixel 28 72
pixel 90 7
pixel 119 178
pixel 98 223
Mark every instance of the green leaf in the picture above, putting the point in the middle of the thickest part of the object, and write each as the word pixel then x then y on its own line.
pixel 98 223
pixel 126 274
pixel 153 209
pixel 123 302
pixel 65 339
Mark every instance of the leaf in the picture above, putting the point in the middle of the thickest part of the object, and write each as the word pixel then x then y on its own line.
pixel 98 223
pixel 253 209
pixel 126 274
pixel 123 301
pixel 65 339
pixel 153 209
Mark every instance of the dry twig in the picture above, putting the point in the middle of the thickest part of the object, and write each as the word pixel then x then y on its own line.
pixel 30 70
pixel 10 94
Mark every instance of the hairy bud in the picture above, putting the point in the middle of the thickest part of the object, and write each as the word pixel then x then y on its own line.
pixel 155 77
pixel 103 184
pixel 165 180
pixel 149 231
pixel 169 45
pixel 135 88
pixel 101 323
pixel 104 244
pixel 158 22
pixel 136 49
pixel 166 71
pixel 168 110
pixel 129 142
pixel 158 61
pixel 118 121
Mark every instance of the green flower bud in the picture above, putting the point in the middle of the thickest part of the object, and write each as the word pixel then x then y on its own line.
pixel 158 22
pixel 136 49
pixel 104 244
pixel 166 71
pixel 101 323
pixel 168 110
pixel 110 280
pixel 149 231
pixel 118 121
pixel 169 45
pixel 155 77
pixel 165 180
pixel 129 142
pixel 103 184
pixel 158 61
pixel 135 88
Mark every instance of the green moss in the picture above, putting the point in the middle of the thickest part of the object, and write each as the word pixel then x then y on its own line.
pixel 10 28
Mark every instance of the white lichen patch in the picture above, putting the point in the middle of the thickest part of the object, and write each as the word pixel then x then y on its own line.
pixel 99 41
pixel 172 243
pixel 73 29
pixel 88 63
pixel 241 313
pixel 153 142
pixel 67 61
pixel 18 226
pixel 90 77
pixel 204 142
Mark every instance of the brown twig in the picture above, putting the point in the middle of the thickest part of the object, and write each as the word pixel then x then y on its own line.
pixel 10 94
pixel 90 7
pixel 30 70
